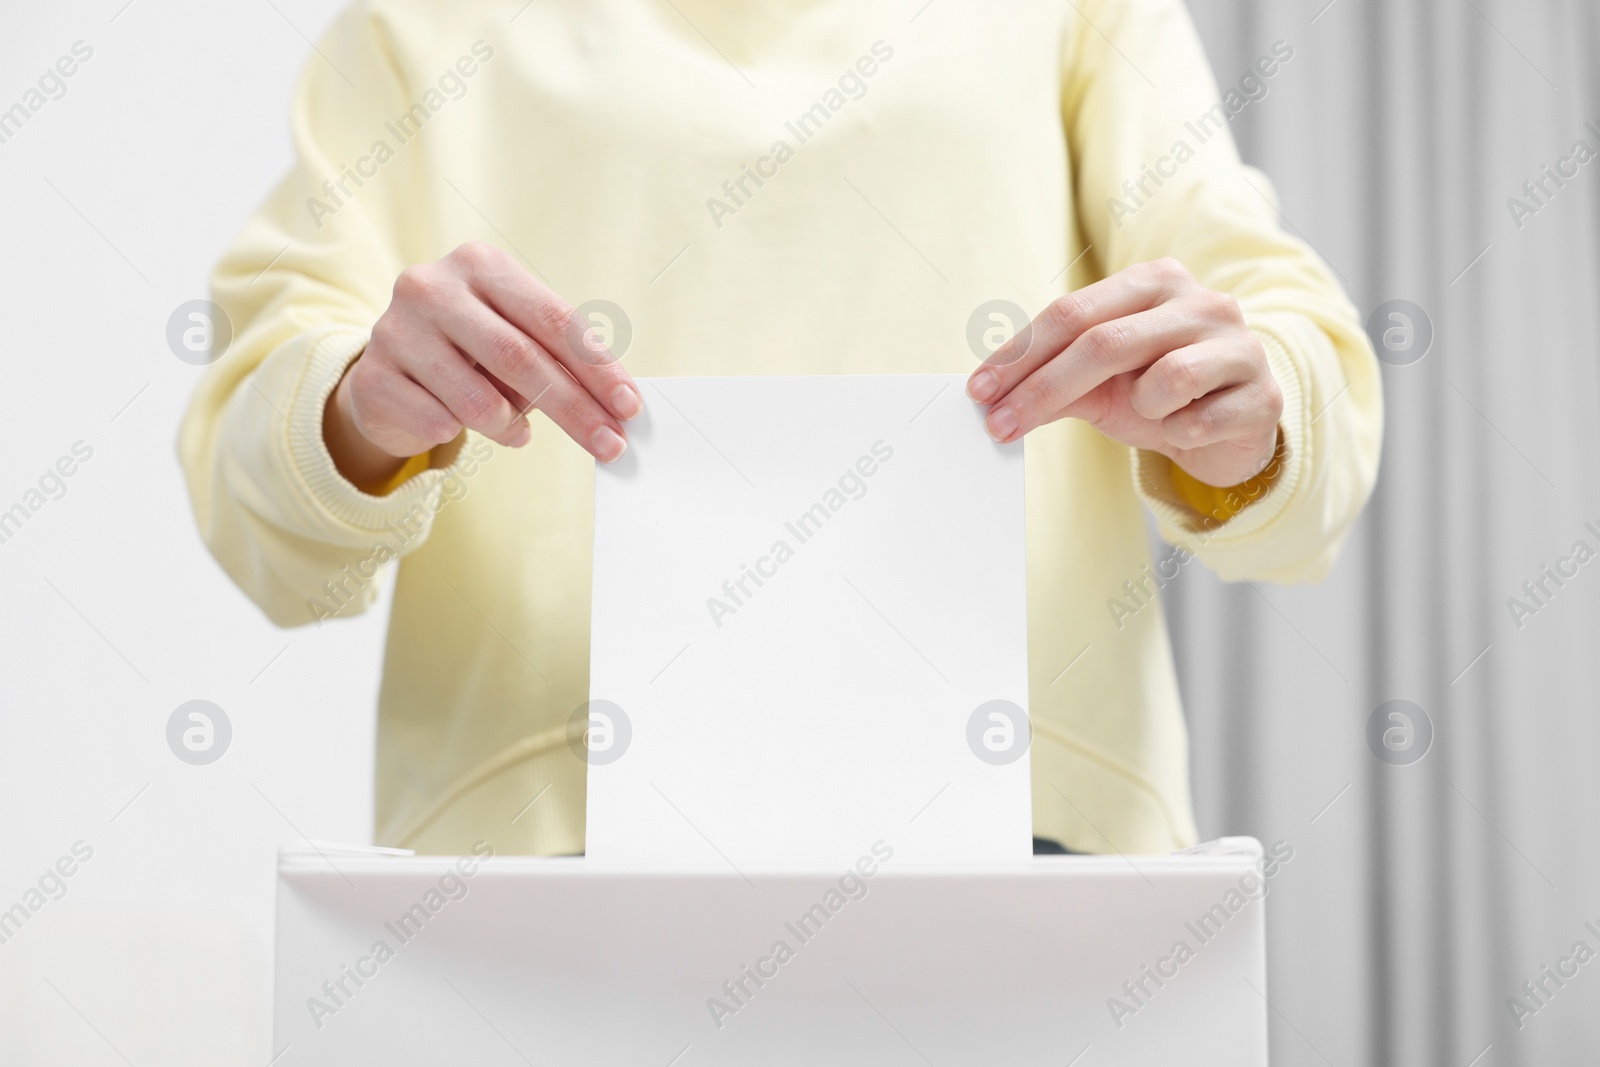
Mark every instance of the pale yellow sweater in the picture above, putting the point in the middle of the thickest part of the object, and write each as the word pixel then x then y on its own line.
pixel 914 161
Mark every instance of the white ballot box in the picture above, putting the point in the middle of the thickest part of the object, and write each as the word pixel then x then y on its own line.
pixel 808 795
pixel 387 958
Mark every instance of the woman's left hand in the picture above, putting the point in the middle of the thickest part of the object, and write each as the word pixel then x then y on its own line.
pixel 1150 358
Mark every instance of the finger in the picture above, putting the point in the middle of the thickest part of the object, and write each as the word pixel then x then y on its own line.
pixel 1098 355
pixel 518 401
pixel 398 415
pixel 540 381
pixel 1126 292
pixel 531 306
pixel 580 416
pixel 489 341
pixel 1236 413
pixel 1189 373
pixel 434 361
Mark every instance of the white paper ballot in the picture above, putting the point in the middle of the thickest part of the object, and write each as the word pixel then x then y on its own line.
pixel 809 628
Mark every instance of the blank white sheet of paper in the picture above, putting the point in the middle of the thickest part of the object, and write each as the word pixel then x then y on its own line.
pixel 809 628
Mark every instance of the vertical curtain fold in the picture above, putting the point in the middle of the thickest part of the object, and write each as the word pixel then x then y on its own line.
pixel 1423 896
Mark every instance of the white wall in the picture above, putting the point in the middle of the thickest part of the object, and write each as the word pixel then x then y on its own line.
pixel 160 949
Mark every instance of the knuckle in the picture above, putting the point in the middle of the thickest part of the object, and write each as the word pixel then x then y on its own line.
pixel 1168 271
pixel 1182 375
pixel 571 412
pixel 1100 344
pixel 1064 313
pixel 553 315
pixel 383 338
pixel 470 253
pixel 1218 307
pixel 417 285
pixel 432 371
pixel 1042 393
pixel 513 352
pixel 408 282
pixel 480 408
pixel 1036 395
pixel 478 257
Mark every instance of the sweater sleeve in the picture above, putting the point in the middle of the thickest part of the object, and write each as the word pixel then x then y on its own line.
pixel 302 286
pixel 1157 174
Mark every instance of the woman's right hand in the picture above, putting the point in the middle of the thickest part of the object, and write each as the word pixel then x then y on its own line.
pixel 474 341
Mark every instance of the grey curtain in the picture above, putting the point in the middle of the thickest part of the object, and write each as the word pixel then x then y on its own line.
pixel 1424 892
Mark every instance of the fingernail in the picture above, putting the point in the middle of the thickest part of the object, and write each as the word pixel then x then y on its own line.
pixel 1001 423
pixel 625 402
pixel 608 445
pixel 982 385
pixel 522 434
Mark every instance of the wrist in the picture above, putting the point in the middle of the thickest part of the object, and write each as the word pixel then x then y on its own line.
pixel 1222 502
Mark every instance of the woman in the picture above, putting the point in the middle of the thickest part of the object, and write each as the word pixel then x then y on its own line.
pixel 762 187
